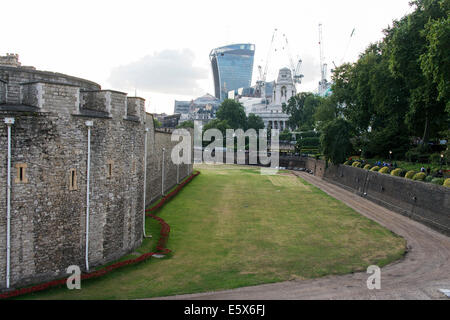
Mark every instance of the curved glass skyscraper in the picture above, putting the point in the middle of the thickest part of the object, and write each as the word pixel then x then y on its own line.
pixel 232 68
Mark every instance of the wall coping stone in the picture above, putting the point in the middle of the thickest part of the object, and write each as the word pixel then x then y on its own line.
pixel 48 73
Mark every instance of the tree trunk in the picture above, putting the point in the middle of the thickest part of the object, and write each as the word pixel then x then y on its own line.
pixel 425 132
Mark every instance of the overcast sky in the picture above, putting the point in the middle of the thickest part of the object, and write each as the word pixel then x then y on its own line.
pixel 160 49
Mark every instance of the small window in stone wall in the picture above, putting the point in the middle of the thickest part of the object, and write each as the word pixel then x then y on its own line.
pixel 133 166
pixel 73 179
pixel 21 176
pixel 109 168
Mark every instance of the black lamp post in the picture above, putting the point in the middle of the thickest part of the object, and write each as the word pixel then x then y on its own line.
pixel 390 155
pixel 442 160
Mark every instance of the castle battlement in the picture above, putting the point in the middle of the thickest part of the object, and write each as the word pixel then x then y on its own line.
pixel 65 98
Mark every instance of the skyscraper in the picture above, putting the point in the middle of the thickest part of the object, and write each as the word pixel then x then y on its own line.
pixel 232 68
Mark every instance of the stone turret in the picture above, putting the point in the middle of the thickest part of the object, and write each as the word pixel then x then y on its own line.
pixel 10 60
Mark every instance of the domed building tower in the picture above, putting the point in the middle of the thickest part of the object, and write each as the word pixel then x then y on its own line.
pixel 284 88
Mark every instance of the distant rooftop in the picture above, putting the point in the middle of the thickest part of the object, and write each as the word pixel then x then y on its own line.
pixel 207 98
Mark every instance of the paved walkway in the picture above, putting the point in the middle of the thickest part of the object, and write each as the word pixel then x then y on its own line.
pixel 420 275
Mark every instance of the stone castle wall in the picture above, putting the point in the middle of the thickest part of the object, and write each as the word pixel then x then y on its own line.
pixel 48 199
pixel 156 181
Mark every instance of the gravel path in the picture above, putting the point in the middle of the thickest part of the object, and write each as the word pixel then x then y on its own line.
pixel 420 275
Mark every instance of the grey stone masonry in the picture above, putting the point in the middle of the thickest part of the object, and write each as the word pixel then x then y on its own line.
pixel 49 147
pixel 3 87
pixel 159 178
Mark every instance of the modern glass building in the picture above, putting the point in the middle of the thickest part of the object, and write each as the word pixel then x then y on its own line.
pixel 232 68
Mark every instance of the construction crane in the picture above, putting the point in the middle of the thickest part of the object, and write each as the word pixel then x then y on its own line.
pixel 295 68
pixel 263 74
pixel 296 75
pixel 346 49
pixel 323 83
pixel 348 45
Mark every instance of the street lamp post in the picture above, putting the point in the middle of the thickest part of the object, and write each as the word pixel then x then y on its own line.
pixel 390 155
pixel 442 160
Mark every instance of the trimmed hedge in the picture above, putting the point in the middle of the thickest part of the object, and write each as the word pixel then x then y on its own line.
pixel 410 174
pixel 309 134
pixel 367 167
pixel 356 164
pixel 419 176
pixel 384 170
pixel 309 142
pixel 428 178
pixel 347 163
pixel 438 181
pixel 375 169
pixel 396 172
pixel 447 183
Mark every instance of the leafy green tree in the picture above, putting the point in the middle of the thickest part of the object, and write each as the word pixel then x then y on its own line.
pixel 435 62
pixel 222 125
pixel 157 123
pixel 286 135
pixel 343 88
pixel 326 111
pixel 301 109
pixel 232 112
pixel 186 124
pixel 335 140
pixel 399 87
pixel 254 122
pixel 406 44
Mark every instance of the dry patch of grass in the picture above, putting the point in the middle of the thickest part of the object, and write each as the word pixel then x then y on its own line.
pixel 287 181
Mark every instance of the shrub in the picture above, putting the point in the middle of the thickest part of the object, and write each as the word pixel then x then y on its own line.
pixel 356 164
pixel 347 163
pixel 438 181
pixel 384 170
pixel 396 172
pixel 447 183
pixel 367 167
pixel 376 168
pixel 428 178
pixel 419 176
pixel 410 174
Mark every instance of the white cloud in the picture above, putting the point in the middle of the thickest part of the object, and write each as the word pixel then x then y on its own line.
pixel 167 71
pixel 311 71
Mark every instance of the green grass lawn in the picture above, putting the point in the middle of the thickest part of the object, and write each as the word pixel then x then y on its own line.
pixel 232 227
